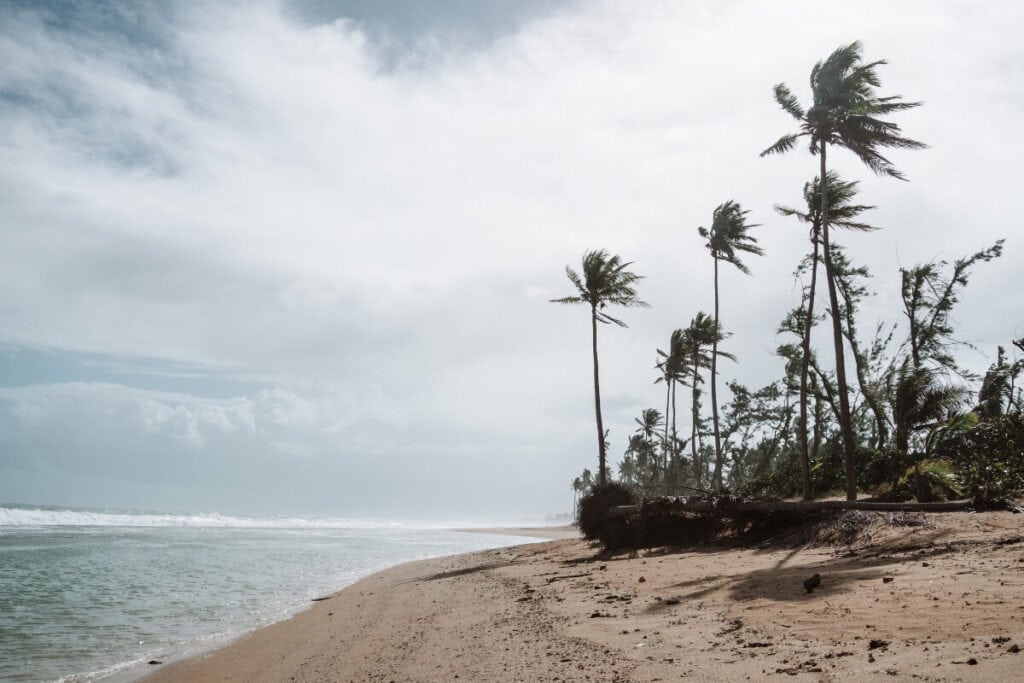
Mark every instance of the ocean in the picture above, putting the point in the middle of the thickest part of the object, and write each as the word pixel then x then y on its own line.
pixel 92 595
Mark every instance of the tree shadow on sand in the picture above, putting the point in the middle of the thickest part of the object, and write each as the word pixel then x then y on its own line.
pixel 839 574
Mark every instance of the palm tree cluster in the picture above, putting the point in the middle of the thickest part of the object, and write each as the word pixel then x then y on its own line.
pixel 820 427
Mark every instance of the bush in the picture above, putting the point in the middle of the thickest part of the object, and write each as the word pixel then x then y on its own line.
pixel 596 503
pixel 989 458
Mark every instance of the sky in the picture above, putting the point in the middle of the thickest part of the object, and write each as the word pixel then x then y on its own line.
pixel 296 257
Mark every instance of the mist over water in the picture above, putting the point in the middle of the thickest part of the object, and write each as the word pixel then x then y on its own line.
pixel 90 594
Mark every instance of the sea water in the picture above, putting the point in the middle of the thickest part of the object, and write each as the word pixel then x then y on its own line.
pixel 89 595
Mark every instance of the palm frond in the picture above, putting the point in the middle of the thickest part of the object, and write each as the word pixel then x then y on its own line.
pixel 788 101
pixel 783 144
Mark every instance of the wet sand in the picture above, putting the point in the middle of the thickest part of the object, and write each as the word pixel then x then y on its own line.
pixel 939 601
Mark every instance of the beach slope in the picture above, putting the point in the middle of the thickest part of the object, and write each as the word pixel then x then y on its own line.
pixel 937 598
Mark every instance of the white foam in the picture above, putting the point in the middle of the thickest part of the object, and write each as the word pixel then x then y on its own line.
pixel 24 516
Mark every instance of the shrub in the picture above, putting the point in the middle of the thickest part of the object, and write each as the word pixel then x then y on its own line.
pixel 596 503
pixel 989 458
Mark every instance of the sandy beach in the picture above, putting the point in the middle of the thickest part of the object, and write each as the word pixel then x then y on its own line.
pixel 938 599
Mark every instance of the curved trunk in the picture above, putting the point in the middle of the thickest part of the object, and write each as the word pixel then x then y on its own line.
pixel 805 363
pixel 845 424
pixel 602 476
pixel 717 479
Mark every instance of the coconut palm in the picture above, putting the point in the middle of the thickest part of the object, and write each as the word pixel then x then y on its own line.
pixel 703 332
pixel 605 282
pixel 642 443
pixel 673 366
pixel 845 113
pixel 920 401
pixel 726 239
pixel 841 214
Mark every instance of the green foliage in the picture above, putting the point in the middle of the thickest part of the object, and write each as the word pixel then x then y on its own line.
pixel 929 296
pixel 998 392
pixel 605 282
pixel 783 480
pixel 728 235
pixel 930 480
pixel 596 503
pixel 988 459
pixel 846 111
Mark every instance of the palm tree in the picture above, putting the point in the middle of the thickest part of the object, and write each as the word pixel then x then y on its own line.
pixel 846 113
pixel 841 214
pixel 702 333
pixel 726 238
pixel 673 372
pixel 642 442
pixel 920 401
pixel 605 282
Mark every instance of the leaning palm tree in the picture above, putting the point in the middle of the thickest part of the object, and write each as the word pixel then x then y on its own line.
pixel 842 213
pixel 846 113
pixel 702 333
pixel 605 282
pixel 726 238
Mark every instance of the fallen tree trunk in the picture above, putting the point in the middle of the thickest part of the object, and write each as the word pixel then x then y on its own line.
pixel 726 507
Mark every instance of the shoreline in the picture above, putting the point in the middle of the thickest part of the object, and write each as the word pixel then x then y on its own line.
pixel 141 670
pixel 549 533
pixel 937 601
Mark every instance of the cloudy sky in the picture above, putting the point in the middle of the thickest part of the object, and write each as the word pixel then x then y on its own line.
pixel 296 256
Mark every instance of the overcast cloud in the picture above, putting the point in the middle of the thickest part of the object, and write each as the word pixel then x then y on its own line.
pixel 296 257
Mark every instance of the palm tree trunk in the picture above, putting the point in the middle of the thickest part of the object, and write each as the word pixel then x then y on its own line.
pixel 717 479
pixel 805 364
pixel 675 440
pixel 697 470
pixel 668 393
pixel 602 476
pixel 845 424
pixel 816 444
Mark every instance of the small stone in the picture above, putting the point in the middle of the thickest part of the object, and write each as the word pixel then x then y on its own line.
pixel 155 661
pixel 642 580
pixel 972 661
pixel 888 579
pixel 1015 648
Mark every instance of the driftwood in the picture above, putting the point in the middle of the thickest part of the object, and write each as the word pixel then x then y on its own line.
pixel 727 507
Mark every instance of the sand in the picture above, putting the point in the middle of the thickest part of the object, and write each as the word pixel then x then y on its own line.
pixel 939 601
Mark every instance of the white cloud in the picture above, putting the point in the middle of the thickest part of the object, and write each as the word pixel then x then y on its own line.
pixel 260 196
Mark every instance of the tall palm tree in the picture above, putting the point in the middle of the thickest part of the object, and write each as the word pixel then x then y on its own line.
pixel 726 239
pixel 605 282
pixel 702 333
pixel 841 214
pixel 845 113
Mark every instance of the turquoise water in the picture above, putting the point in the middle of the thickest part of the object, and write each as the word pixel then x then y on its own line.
pixel 88 595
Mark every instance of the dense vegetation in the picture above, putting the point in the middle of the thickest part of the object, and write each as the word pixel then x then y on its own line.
pixel 893 413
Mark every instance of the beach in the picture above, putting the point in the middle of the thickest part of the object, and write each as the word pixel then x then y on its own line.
pixel 936 598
